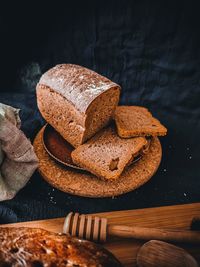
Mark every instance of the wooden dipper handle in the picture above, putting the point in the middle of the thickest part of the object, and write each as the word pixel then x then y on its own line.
pixel 96 229
pixel 144 233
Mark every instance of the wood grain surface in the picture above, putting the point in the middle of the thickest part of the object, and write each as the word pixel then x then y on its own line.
pixel 173 217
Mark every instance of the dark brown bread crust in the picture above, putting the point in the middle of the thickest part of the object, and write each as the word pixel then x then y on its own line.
pixel 77 84
pixel 37 247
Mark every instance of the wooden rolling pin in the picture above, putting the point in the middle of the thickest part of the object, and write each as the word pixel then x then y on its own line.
pixel 97 229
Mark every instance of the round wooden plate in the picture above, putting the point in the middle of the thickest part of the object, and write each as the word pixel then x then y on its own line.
pixel 82 183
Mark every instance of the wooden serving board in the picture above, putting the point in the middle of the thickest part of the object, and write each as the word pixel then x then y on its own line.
pixel 173 217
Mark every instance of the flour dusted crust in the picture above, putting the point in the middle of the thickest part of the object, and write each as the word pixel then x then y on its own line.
pixel 77 84
pixel 33 247
pixel 76 101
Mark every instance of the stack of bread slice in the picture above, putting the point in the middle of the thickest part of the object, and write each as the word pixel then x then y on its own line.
pixel 114 148
pixel 83 107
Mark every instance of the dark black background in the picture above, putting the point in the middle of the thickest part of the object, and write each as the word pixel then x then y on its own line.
pixel 151 48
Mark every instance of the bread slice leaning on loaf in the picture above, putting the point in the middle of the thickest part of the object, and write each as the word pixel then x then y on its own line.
pixel 106 154
pixel 76 101
pixel 132 121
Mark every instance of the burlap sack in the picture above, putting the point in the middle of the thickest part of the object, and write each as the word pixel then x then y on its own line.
pixel 17 158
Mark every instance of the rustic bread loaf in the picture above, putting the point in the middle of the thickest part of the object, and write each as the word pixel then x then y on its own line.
pixel 37 248
pixel 76 101
pixel 106 154
pixel 134 121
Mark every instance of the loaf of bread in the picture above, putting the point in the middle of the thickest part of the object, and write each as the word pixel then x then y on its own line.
pixel 134 121
pixel 106 154
pixel 37 248
pixel 76 101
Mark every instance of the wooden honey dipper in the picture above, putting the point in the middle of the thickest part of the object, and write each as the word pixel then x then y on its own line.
pixel 97 229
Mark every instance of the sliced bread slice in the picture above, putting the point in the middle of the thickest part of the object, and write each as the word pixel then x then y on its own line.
pixel 134 121
pixel 106 154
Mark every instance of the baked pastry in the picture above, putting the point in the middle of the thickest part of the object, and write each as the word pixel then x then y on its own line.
pixel 76 101
pixel 134 121
pixel 106 154
pixel 37 247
